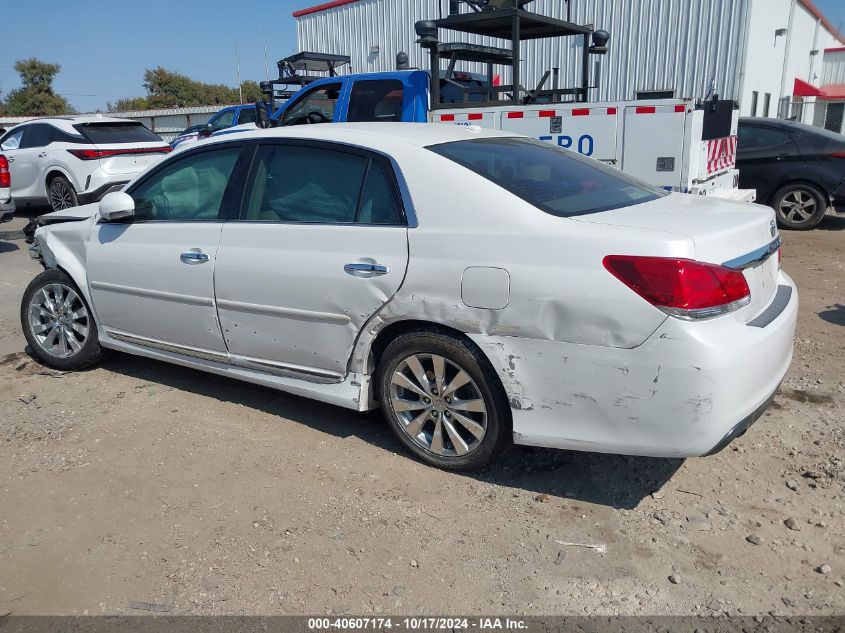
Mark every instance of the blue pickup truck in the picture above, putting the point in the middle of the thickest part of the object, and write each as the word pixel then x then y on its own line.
pixel 387 96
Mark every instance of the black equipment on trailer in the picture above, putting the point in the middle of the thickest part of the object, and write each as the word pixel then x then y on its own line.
pixel 507 20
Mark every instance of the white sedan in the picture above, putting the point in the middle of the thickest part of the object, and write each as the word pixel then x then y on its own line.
pixel 478 286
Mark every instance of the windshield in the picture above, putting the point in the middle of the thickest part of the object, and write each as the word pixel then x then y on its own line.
pixel 558 181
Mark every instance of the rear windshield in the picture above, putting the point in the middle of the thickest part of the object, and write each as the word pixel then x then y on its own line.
pixel 129 132
pixel 558 181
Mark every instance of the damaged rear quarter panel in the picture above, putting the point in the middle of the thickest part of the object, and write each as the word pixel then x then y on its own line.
pixel 559 289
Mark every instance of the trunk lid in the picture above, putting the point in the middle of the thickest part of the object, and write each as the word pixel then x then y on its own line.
pixel 726 233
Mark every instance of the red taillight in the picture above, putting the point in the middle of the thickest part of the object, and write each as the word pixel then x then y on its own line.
pixel 681 287
pixel 94 154
pixel 780 256
pixel 5 176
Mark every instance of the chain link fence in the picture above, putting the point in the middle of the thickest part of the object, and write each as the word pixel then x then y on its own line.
pixel 829 115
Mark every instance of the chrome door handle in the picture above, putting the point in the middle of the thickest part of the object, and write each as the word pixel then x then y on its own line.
pixel 366 270
pixel 193 257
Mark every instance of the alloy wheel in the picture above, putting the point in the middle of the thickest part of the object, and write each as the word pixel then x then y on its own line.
pixel 438 405
pixel 798 206
pixel 58 320
pixel 61 197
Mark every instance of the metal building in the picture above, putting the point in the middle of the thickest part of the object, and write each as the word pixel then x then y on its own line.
pixel 750 50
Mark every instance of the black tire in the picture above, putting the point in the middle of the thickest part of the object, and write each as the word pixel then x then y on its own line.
pixel 61 193
pixel 460 354
pixel 89 351
pixel 787 203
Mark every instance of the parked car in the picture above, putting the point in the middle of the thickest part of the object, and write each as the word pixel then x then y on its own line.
pixel 66 161
pixel 477 285
pixel 225 118
pixel 7 205
pixel 797 169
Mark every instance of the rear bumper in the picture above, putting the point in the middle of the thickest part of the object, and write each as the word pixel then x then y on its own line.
pixel 7 211
pixel 689 390
pixel 837 198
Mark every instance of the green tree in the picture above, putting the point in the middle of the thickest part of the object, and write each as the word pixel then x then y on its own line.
pixel 170 89
pixel 36 96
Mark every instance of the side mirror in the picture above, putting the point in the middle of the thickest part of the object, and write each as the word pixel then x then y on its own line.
pixel 205 132
pixel 116 205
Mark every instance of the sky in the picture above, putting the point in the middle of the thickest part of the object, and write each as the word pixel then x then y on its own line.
pixel 104 47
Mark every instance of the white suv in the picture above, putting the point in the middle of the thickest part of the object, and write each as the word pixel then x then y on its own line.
pixel 67 161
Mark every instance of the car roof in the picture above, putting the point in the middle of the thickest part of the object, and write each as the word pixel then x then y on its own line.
pixel 376 135
pixel 66 123
pixel 794 126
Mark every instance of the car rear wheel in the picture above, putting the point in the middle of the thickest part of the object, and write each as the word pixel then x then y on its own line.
pixel 58 324
pixel 62 194
pixel 799 206
pixel 443 400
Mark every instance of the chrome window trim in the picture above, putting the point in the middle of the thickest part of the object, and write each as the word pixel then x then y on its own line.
pixel 755 257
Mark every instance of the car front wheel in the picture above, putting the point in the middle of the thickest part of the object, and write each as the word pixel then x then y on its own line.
pixel 799 206
pixel 57 323
pixel 443 400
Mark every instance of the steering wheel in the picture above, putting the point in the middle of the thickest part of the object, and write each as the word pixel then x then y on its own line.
pixel 316 114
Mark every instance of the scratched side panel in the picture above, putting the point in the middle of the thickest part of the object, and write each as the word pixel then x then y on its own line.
pixel 677 395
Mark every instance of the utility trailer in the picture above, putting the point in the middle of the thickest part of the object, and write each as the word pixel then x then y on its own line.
pixel 686 145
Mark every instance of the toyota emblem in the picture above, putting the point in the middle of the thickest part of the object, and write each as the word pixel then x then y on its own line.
pixel 773 228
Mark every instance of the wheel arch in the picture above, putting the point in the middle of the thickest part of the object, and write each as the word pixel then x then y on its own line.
pixel 56 170
pixel 799 181
pixel 56 254
pixel 368 354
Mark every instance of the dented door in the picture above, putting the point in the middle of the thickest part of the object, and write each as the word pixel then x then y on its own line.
pixel 321 246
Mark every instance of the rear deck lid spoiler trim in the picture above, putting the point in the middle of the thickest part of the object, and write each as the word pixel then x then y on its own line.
pixel 755 257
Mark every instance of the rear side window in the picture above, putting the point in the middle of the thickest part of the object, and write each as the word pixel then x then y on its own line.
pixel 37 135
pixel 376 100
pixel 247 115
pixel 105 133
pixel 755 137
pixel 557 181
pixel 317 185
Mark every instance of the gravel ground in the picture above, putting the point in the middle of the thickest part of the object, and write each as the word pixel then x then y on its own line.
pixel 138 487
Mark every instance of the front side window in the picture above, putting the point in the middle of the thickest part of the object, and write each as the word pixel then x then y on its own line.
pixel 189 189
pixel 554 180
pixel 317 106
pixel 376 100
pixel 316 185
pixel 12 140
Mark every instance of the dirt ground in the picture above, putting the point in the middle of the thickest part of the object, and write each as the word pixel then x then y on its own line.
pixel 139 487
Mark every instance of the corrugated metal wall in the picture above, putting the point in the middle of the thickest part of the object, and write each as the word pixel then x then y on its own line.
pixel 833 68
pixel 679 45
